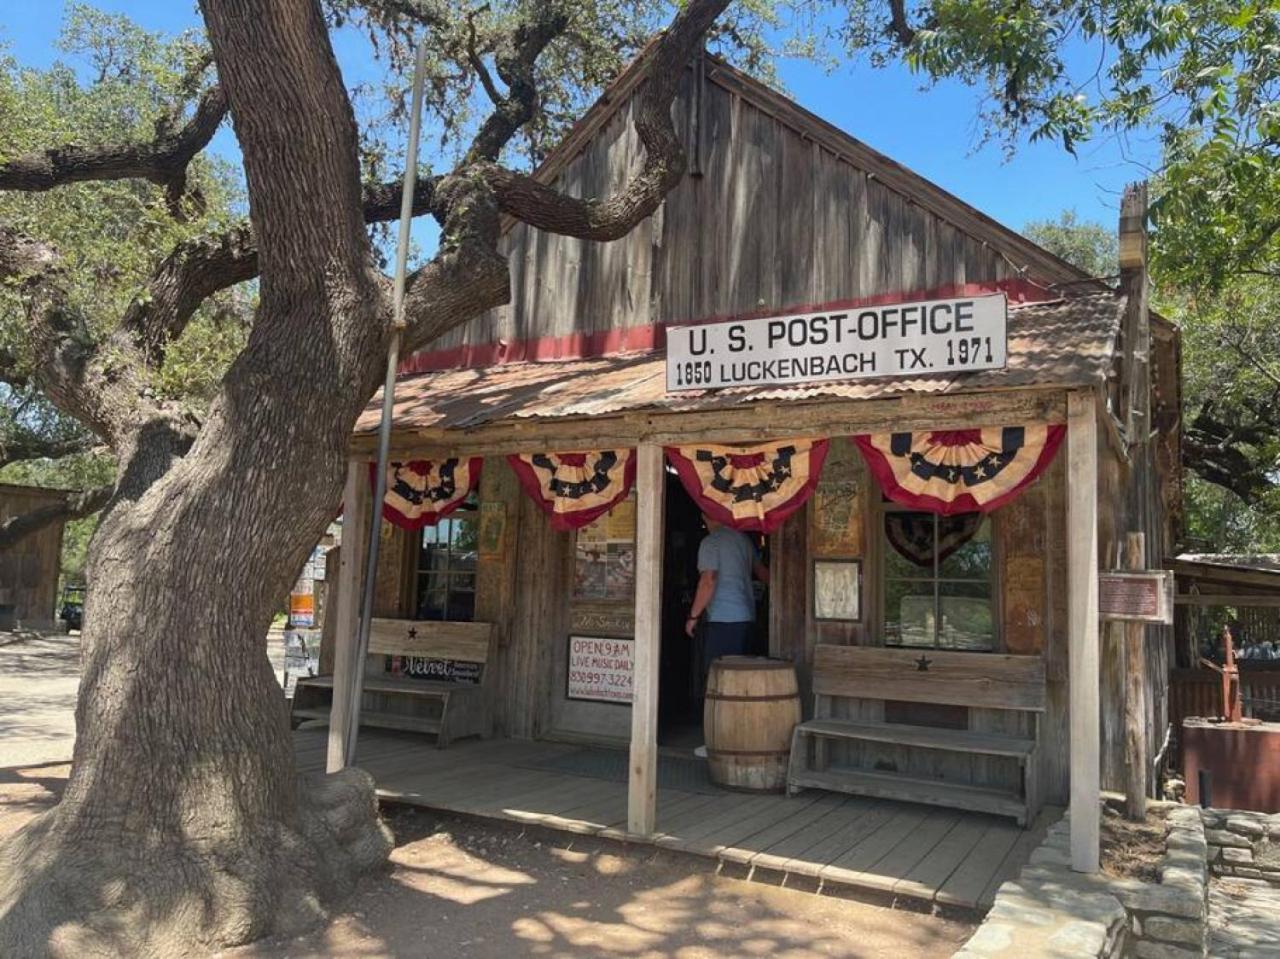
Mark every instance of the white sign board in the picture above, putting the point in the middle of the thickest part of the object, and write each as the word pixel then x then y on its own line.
pixel 924 338
pixel 600 669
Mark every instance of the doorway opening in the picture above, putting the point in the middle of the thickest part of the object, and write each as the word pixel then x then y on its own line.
pixel 680 676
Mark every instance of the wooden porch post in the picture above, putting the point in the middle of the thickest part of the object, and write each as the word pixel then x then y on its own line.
pixel 356 502
pixel 642 790
pixel 1082 624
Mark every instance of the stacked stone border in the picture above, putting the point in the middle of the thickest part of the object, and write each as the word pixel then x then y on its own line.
pixel 1243 844
pixel 1051 911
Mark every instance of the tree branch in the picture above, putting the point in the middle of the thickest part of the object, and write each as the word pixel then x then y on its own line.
pixel 547 209
pixel 201 267
pixel 1217 452
pixel 76 505
pixel 27 447
pixel 162 161
pixel 469 276
pixel 515 65
pixel 899 28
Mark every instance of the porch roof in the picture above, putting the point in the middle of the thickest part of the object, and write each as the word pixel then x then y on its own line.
pixel 1066 343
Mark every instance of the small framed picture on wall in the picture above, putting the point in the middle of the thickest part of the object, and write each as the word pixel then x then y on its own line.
pixel 837 590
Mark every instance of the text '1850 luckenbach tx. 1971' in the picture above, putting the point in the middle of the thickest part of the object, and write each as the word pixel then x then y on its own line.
pixel 925 338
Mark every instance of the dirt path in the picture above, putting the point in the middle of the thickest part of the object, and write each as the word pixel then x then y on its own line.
pixel 38 681
pixel 484 891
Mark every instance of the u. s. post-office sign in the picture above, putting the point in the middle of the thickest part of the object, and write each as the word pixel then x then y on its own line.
pixel 924 338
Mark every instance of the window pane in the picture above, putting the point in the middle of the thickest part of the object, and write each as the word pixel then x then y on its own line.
pixel 967 620
pixel 465 533
pixel 432 597
pixel 435 558
pixel 464 550
pixel 462 606
pixel 964 543
pixel 908 613
pixel 908 552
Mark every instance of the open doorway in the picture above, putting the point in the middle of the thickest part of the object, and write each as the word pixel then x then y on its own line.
pixel 680 679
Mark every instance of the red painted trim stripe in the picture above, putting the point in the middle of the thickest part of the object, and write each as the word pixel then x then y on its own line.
pixel 638 339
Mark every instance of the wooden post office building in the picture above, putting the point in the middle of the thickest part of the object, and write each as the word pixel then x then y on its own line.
pixel 935 431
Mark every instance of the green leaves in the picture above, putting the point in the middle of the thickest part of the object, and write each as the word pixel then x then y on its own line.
pixel 114 84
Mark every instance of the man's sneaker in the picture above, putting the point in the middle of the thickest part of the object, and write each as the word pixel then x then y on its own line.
pixel 701 752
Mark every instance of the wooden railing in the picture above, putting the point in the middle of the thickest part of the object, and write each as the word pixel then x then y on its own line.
pixel 1198 692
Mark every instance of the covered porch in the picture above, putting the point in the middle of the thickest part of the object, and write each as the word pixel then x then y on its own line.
pixel 819 841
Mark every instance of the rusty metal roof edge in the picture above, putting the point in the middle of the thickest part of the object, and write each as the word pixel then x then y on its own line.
pixel 534 420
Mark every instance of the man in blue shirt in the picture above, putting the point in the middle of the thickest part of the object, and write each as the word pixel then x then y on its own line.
pixel 726 562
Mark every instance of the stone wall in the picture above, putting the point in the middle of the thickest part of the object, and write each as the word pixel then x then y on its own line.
pixel 1243 844
pixel 1049 910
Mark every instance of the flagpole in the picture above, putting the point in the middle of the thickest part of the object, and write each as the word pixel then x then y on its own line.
pixel 388 401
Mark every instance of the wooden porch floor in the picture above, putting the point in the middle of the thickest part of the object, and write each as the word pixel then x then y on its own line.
pixel 935 855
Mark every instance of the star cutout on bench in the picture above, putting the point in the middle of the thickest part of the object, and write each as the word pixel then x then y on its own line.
pixel 922 664
pixel 413 632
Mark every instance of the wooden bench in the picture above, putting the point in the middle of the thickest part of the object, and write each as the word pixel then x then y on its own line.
pixel 974 680
pixel 448 707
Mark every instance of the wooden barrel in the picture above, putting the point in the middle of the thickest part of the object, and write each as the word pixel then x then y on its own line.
pixel 752 706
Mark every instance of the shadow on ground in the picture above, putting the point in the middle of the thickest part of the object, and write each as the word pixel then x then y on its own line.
pixel 485 890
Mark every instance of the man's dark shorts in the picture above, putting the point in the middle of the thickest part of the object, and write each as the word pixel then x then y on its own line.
pixel 724 639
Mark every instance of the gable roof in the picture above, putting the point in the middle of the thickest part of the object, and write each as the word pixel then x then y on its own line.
pixel 1024 255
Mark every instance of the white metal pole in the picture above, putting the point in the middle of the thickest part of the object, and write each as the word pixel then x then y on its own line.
pixel 388 397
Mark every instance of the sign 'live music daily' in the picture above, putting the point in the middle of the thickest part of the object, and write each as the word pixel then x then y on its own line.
pixel 925 338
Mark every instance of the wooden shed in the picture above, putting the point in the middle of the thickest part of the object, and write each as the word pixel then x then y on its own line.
pixel 29 570
pixel 955 654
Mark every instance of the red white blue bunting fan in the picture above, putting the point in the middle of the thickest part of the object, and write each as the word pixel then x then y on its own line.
pixel 911 535
pixel 574 489
pixel 420 492
pixel 752 487
pixel 960 471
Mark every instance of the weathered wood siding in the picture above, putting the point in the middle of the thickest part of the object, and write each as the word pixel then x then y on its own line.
pixel 774 220
pixel 29 570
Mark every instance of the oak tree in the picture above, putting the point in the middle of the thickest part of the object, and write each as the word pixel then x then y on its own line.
pixel 184 820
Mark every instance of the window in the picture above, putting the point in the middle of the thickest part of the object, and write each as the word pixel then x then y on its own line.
pixel 446 579
pixel 937 580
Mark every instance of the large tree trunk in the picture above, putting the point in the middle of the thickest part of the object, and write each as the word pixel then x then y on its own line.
pixel 184 822
pixel 183 818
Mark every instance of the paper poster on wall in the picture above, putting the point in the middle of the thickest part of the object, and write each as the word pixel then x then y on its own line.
pixel 620 522
pixel 605 556
pixel 837 590
pixel 493 529
pixel 600 669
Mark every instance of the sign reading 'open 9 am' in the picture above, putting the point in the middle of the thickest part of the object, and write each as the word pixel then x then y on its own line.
pixel 925 338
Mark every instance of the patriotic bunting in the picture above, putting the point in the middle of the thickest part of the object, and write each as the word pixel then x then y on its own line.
pixel 575 488
pixel 420 492
pixel 911 535
pixel 750 488
pixel 960 471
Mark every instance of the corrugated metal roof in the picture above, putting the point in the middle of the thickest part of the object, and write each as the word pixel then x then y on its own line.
pixel 1067 342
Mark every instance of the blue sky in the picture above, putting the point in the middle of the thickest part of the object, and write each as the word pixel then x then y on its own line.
pixel 933 131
